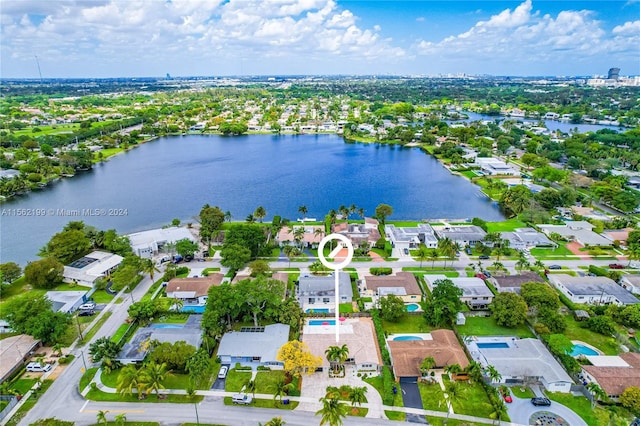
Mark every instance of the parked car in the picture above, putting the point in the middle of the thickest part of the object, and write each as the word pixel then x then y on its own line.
pixel 616 266
pixel 188 258
pixel 554 267
pixel 86 313
pixel 37 367
pixel 468 250
pixel 177 259
pixel 487 274
pixel 241 398
pixel 541 402
pixel 483 257
pixel 223 372
pixel 505 395
pixel 406 252
pixel 87 306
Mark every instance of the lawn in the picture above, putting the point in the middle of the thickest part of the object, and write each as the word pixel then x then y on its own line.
pixel 582 407
pixel 486 326
pixel 86 378
pixel 377 383
pixel 88 336
pixel 432 397
pixel 236 380
pixel 266 381
pixel 120 332
pixel 551 253
pixel 28 405
pixel 346 308
pixel 505 226
pixel 108 152
pixel 441 421
pixel 395 415
pixel 97 395
pixel 606 344
pixel 473 400
pixel 470 174
pixel 407 324
pixel 101 296
pixel 265 403
pixel 520 393
pixel 23 385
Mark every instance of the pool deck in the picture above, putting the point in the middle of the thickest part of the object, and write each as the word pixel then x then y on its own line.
pixel 579 342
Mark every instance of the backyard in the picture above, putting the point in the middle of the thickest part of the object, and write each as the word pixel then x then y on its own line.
pixel 486 326
pixel 407 324
pixel 574 331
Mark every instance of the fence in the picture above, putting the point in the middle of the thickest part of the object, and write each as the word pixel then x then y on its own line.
pixel 13 401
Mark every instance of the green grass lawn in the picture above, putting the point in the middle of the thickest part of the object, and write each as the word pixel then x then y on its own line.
pixel 89 335
pixel 486 326
pixel 473 400
pixel 470 174
pixel 357 411
pixel 236 380
pixel 23 385
pixel 28 405
pixel 173 318
pixel 395 415
pixel 376 382
pixel 266 381
pixel 101 296
pixel 582 407
pixel 441 421
pixel 108 152
pixel 606 344
pixel 97 395
pixel 432 397
pixel 346 308
pixel 407 324
pixel 265 403
pixel 86 378
pixel 520 393
pixel 551 253
pixel 505 226
pixel 120 332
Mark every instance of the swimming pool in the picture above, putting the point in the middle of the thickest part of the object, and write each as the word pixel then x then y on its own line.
pixel 412 307
pixel 167 326
pixel 582 350
pixel 492 345
pixel 319 310
pixel 193 309
pixel 322 322
pixel 403 338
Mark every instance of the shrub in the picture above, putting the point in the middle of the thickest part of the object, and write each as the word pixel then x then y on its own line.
pixel 541 329
pixel 601 272
pixel 602 324
pixel 380 271
pixel 263 368
pixel 182 270
pixel 387 386
pixel 380 243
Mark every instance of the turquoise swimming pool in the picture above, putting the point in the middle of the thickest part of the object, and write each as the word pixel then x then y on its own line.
pixel 319 310
pixel 405 338
pixel 322 322
pixel 167 326
pixel 412 307
pixel 582 350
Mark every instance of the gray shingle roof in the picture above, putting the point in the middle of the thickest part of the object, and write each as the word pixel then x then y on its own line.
pixel 324 285
pixel 263 344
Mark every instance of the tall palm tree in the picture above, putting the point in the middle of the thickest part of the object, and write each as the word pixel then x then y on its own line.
pixel 303 211
pixel 361 213
pixel 120 419
pixel 453 370
pixel 447 248
pixel 423 253
pixel 156 374
pixel 337 355
pixel 474 369
pixel 453 393
pixel 276 421
pixel 227 216
pixel 352 209
pixel 357 395
pixel 170 248
pixel 290 251
pixel 149 267
pixel 333 411
pixel 344 211
pixel 131 378
pixel 318 232
pixel 298 235
pixel 433 256
pixel 427 364
pixel 101 417
pixel 499 409
pixel 251 387
pixel 260 213
pixel 493 373
pixel 282 389
pixel 597 392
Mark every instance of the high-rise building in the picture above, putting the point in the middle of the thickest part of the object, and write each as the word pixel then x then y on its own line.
pixel 613 74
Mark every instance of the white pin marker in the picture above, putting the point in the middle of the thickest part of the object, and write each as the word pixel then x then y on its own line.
pixel 336 267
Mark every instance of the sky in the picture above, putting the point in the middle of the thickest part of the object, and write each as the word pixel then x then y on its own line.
pixel 134 38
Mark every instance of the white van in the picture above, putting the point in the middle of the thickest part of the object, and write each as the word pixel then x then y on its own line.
pixel 36 367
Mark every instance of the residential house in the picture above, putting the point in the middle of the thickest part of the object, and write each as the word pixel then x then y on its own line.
pixel 254 346
pixel 495 167
pixel 66 301
pixel 631 283
pixel 520 360
pixel 310 238
pixel 403 285
pixel 317 292
pixel 613 374
pixel 359 233
pixel 592 290
pixel 619 235
pixel 148 243
pixel 461 234
pixel 14 352
pixel 475 292
pixel 86 270
pixel 524 238
pixel 579 231
pixel 192 291
pixel 407 355
pixel 410 238
pixel 357 333
pixel 513 283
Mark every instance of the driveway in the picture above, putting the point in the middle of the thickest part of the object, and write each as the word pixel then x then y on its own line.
pixel 219 383
pixel 411 394
pixel 520 410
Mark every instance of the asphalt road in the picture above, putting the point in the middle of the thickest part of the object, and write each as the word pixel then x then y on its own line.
pixel 520 410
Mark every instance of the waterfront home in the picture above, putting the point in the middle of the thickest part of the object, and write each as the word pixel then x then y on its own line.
pixel 310 236
pixel 66 301
pixel 494 167
pixel 357 333
pixel 317 292
pixel 254 346
pixel 461 234
pixel 523 238
pixel 613 374
pixel 408 352
pixel 578 231
pixel 359 233
pixel 410 238
pixel 592 290
pixel 513 283
pixel 403 285
pixel 475 293
pixel 148 243
pixel 192 291
pixel 86 270
pixel 520 360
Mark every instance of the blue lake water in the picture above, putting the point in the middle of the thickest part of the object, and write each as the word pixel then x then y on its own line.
pixel 563 126
pixel 174 177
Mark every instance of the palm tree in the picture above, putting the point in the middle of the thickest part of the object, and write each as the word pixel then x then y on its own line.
pixel 538 263
pixel 290 251
pixel 156 374
pixel 361 213
pixel 344 211
pixel 260 213
pixel 333 411
pixel 448 248
pixel 332 392
pixel 522 261
pixel 251 387
pixel 170 248
pixel 57 348
pixel 333 216
pixel 276 421
pixel 493 373
pixel 282 389
pixel 337 355
pixel 453 370
pixel 423 253
pixel 597 392
pixel 357 395
pixel 474 369
pixel 427 364
pixel 303 211
pixel 120 419
pixel 101 417
pixel 499 409
pixel 131 378
pixel 352 209
pixel 298 235
pixel 227 216
pixel 250 218
pixel 452 390
pixel 433 256
pixel 149 267
pixel 318 232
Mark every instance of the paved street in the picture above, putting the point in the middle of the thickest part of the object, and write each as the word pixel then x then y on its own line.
pixel 520 410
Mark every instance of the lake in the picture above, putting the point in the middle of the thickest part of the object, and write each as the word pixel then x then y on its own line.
pixel 174 177
pixel 563 126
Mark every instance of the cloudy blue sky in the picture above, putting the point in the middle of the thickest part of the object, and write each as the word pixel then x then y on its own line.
pixel 120 38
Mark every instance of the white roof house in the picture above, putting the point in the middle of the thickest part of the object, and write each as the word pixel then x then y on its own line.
pixel 522 238
pixel 66 301
pixel 462 234
pixel 520 359
pixel 493 166
pixel 475 292
pixel 411 237
pixel 580 231
pixel 592 290
pixel 86 270
pixel 253 345
pixel 148 243
pixel 317 292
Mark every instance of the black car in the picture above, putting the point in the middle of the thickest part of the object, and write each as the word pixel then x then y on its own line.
pixel 555 267
pixel 483 257
pixel 541 402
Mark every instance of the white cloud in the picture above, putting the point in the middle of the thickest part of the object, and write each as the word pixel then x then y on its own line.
pixel 420 19
pixel 628 28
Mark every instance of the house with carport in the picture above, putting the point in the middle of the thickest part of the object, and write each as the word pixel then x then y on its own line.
pixel 254 346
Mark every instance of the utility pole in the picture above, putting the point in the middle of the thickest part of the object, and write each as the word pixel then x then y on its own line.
pixel 79 328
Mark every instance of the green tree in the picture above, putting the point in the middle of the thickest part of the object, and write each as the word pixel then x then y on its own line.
pixel 493 373
pixel 303 211
pixel 597 392
pixel 175 355
pixel 261 296
pixel 443 304
pixel 509 309
pixel 44 273
pixel 337 355
pixel 251 387
pixel 155 375
pixel 131 378
pixel 383 211
pixel 149 267
pixel 235 256
pixel 630 399
pixel 333 411
pixel 392 308
pixel 276 421
pixel 357 395
pixel 251 236
pixel 427 364
pixel 260 213
pixel 290 252
pixel 67 246
pixel 211 219
pixel 120 419
pixel 102 348
pixel 516 198
pixel 539 295
pixel 32 315
pixel 453 393
pixel 101 417
pixel 9 272
pixel 282 388
pixel 186 247
pixel 144 311
pixel 423 253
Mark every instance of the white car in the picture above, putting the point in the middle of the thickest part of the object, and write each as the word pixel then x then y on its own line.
pixel 223 372
pixel 36 367
pixel 87 306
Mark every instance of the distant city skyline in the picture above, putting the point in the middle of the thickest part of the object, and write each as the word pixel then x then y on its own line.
pixel 121 38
